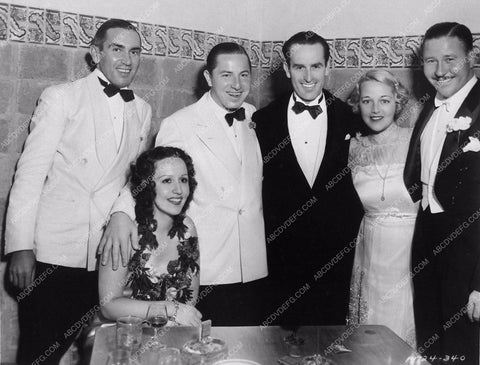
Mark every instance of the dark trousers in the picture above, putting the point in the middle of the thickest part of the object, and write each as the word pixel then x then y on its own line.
pixel 441 290
pixel 292 303
pixel 237 304
pixel 51 315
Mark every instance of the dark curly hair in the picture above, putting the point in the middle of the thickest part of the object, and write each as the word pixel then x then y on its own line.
pixel 142 181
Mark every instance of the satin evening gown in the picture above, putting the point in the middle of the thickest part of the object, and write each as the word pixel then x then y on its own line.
pixel 381 285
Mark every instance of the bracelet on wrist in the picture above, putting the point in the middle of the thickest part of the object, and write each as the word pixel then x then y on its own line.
pixel 173 318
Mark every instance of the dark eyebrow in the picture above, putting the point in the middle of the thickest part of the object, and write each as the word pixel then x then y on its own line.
pixel 123 47
pixel 116 45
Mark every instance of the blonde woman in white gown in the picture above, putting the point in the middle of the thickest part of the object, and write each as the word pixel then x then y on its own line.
pixel 381 285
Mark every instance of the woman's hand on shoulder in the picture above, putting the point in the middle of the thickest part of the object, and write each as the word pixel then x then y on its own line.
pixel 188 315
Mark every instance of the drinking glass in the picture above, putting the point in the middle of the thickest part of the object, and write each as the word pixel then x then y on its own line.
pixel 157 318
pixel 129 333
pixel 169 356
pixel 119 356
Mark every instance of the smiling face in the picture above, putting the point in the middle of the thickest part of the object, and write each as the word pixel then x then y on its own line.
pixel 172 189
pixel 447 65
pixel 230 80
pixel 307 70
pixel 119 57
pixel 377 105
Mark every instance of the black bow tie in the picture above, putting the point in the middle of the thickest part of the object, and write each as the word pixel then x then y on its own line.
pixel 238 114
pixel 314 110
pixel 110 90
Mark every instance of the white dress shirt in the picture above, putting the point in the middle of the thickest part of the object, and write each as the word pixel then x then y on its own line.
pixel 308 137
pixel 230 131
pixel 432 140
pixel 117 107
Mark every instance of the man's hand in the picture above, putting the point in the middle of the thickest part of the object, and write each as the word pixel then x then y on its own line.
pixel 473 306
pixel 120 234
pixel 22 268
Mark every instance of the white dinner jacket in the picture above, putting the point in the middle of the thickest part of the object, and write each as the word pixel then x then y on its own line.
pixel 227 204
pixel 70 173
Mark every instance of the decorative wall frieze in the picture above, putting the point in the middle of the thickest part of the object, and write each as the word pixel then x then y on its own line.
pixel 53 27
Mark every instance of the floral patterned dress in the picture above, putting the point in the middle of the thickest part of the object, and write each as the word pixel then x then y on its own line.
pixel 147 283
pixel 381 285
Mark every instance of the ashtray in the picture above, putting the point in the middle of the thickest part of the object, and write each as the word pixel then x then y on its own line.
pixel 206 351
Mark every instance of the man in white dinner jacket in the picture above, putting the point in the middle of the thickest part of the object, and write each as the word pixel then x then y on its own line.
pixel 218 134
pixel 84 136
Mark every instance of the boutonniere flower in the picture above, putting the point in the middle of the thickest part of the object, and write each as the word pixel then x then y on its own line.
pixel 473 145
pixel 252 125
pixel 459 124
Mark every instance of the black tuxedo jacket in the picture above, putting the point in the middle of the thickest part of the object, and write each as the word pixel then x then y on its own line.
pixel 457 183
pixel 306 227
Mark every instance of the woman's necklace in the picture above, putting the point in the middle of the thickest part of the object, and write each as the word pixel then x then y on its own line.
pixel 383 177
pixel 390 160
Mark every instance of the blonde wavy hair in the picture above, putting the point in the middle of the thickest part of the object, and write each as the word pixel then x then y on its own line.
pixel 402 95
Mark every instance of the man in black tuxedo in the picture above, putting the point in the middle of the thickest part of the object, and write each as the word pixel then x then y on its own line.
pixel 311 209
pixel 443 171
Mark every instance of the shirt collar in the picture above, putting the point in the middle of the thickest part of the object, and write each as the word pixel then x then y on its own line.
pixel 219 111
pixel 454 101
pixel 104 78
pixel 315 101
pixel 100 74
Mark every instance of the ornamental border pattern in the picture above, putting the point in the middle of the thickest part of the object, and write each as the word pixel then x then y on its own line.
pixel 52 27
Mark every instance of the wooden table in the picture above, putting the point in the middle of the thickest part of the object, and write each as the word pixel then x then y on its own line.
pixel 370 345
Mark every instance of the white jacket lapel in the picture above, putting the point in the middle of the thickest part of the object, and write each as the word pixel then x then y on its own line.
pixel 249 144
pixel 105 144
pixel 215 139
pixel 129 144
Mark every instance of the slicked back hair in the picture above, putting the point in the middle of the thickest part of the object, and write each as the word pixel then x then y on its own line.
pixel 101 33
pixel 304 38
pixel 450 29
pixel 224 48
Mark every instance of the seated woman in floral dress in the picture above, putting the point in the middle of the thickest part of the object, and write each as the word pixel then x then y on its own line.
pixel 165 267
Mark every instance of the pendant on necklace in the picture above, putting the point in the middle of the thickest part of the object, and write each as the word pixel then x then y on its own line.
pixel 382 198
